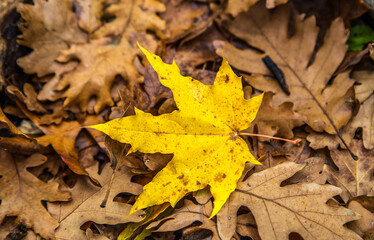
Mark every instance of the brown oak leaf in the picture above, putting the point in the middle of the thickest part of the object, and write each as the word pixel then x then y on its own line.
pixel 99 63
pixel 82 190
pixel 313 97
pixel 111 50
pixel 49 27
pixel 22 193
pixel 101 59
pixel 87 207
pixel 279 210
pixel 364 119
pixel 354 177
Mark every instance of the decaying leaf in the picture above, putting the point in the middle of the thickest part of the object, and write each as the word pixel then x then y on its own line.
pixel 87 208
pixel 202 135
pixel 310 92
pixel 21 193
pixel 279 210
pixel 354 177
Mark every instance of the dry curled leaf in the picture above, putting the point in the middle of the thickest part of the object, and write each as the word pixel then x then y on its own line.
pixel 29 97
pixel 21 193
pixel 310 92
pixel 354 177
pixel 279 210
pixel 6 123
pixel 211 116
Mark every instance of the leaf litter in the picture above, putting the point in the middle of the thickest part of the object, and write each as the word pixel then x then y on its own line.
pixel 82 67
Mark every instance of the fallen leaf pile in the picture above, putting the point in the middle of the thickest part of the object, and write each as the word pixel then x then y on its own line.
pixel 151 119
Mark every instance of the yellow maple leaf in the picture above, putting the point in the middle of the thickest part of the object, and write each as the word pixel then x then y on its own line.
pixel 203 135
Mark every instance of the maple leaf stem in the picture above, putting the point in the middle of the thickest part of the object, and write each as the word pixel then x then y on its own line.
pixel 267 136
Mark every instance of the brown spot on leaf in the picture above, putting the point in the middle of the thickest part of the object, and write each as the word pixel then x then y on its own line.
pixel 185 183
pixel 227 79
pixel 198 183
pixel 181 176
pixel 164 185
pixel 224 176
